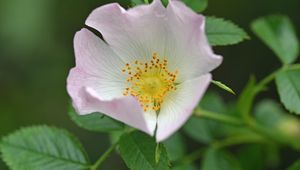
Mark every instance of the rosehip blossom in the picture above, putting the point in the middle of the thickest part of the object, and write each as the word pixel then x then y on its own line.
pixel 151 70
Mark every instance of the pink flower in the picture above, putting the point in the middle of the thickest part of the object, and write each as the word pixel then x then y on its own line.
pixel 150 72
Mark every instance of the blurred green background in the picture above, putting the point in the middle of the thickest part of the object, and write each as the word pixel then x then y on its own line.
pixel 36 53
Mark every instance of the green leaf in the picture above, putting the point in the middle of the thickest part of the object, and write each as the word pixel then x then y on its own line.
pixel 95 122
pixel 268 113
pixel 277 32
pixel 114 136
pixel 203 130
pixel 140 2
pixel 165 2
pixel 197 5
pixel 251 157
pixel 246 98
pixel 138 150
pixel 258 156
pixel 223 86
pixel 288 87
pixel 184 167
pixel 42 147
pixel 157 152
pixel 218 103
pixel 137 2
pixel 175 147
pixel 223 32
pixel 295 166
pixel 217 160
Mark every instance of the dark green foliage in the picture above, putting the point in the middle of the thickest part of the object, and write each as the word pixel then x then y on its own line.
pixel 95 122
pixel 42 147
pixel 278 33
pixel 139 151
pixel 221 32
pixel 219 160
pixel 288 87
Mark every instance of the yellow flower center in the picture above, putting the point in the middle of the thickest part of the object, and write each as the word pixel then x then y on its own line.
pixel 149 82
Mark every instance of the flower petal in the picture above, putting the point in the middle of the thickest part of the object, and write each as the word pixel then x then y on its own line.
pixel 86 99
pixel 176 33
pixel 96 84
pixel 131 34
pixel 194 55
pixel 100 65
pixel 178 106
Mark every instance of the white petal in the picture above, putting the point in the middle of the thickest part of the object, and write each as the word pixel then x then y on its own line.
pixel 86 99
pixel 193 55
pixel 130 33
pixel 176 33
pixel 100 65
pixel 178 106
pixel 96 84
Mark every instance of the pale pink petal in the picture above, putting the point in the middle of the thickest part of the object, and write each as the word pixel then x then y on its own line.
pixel 100 64
pixel 175 33
pixel 131 34
pixel 97 84
pixel 179 105
pixel 194 55
pixel 83 90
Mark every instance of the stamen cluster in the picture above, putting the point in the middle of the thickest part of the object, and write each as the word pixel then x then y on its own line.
pixel 149 82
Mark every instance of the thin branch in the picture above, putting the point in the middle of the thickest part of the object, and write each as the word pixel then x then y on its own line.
pixel 218 117
pixel 106 154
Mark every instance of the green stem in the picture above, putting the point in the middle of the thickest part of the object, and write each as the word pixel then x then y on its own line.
pixel 239 139
pixel 218 117
pixel 261 134
pixel 292 67
pixel 106 154
pixel 223 118
pixel 263 83
pixel 257 128
pixel 146 1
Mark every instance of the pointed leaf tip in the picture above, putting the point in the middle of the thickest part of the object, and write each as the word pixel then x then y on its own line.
pixel 223 86
pixel 222 32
